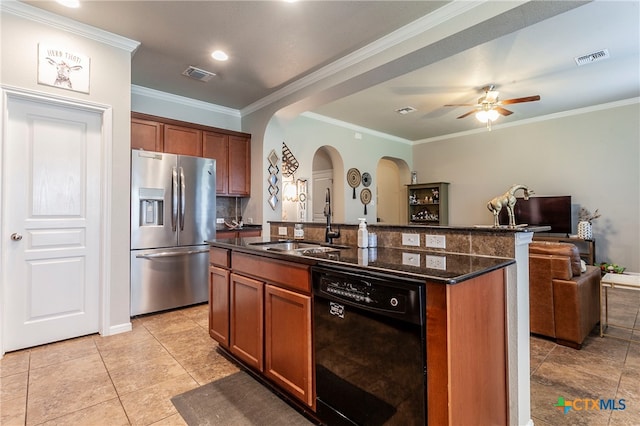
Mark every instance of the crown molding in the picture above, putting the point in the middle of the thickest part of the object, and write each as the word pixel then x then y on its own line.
pixel 50 19
pixel 413 29
pixel 168 97
pixel 346 125
pixel 562 114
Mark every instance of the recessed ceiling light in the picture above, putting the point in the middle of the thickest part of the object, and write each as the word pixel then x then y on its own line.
pixel 219 55
pixel 70 3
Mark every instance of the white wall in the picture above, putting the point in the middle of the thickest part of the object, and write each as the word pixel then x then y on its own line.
pixel 593 156
pixel 305 135
pixel 110 84
pixel 162 104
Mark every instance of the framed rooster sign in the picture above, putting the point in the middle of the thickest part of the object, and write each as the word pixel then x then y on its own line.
pixel 60 67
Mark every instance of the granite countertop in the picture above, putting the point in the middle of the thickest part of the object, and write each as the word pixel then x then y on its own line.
pixel 400 262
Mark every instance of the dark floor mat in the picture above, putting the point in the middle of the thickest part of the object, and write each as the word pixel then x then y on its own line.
pixel 236 400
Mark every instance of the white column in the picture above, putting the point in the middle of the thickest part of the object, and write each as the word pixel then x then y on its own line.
pixel 518 333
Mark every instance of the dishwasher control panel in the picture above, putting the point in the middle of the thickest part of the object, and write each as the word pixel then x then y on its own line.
pixel 364 292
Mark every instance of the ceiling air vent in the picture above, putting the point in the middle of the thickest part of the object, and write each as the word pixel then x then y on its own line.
pixel 406 110
pixel 198 74
pixel 592 57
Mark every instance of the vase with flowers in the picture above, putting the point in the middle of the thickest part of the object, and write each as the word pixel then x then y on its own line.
pixel 585 228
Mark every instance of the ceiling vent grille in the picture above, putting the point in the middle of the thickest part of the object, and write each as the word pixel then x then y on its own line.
pixel 198 74
pixel 406 110
pixel 592 57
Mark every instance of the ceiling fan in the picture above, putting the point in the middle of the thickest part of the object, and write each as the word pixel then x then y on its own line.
pixel 489 105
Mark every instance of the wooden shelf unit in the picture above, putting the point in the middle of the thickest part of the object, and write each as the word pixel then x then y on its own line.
pixel 424 207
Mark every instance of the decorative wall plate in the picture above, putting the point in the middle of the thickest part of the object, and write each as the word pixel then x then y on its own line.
pixel 365 197
pixel 353 179
pixel 366 179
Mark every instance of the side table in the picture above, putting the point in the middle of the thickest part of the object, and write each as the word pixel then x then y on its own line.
pixel 628 281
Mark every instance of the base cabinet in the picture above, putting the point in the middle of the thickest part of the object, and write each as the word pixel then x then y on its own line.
pixel 260 311
pixel 288 341
pixel 219 305
pixel 247 320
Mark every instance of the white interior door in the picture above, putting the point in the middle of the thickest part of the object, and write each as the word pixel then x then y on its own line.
pixel 321 180
pixel 51 225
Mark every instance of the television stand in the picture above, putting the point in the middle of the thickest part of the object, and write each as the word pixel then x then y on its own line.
pixel 586 248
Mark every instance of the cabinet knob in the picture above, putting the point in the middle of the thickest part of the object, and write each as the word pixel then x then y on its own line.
pixel 16 237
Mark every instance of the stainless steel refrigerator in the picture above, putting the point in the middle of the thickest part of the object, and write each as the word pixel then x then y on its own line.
pixel 173 209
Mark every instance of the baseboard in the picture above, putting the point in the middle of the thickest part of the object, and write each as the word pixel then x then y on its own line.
pixel 120 328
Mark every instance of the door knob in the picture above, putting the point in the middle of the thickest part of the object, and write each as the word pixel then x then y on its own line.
pixel 16 237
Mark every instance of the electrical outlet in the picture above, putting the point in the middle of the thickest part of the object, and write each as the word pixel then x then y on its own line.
pixel 249 220
pixel 435 241
pixel 411 259
pixel 411 240
pixel 282 230
pixel 220 220
pixel 436 262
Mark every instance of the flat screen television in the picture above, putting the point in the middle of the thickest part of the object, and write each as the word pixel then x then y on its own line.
pixel 542 211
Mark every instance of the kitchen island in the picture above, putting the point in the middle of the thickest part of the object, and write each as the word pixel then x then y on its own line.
pixel 261 313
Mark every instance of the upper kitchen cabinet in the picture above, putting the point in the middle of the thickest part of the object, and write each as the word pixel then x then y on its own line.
pixel 233 162
pixel 147 135
pixel 239 165
pixel 230 149
pixel 182 140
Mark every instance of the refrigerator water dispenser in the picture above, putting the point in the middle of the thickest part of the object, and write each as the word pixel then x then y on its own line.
pixel 151 207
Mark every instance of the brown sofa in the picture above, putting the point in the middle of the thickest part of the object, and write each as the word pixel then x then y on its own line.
pixel 564 302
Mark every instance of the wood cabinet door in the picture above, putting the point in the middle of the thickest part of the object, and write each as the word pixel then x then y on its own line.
pixel 288 357
pixel 239 166
pixel 247 320
pixel 226 234
pixel 216 145
pixel 219 305
pixel 146 135
pixel 182 140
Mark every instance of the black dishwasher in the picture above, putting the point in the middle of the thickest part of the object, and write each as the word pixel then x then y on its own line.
pixel 369 332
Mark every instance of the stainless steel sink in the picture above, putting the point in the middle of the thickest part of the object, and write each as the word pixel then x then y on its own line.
pixel 297 247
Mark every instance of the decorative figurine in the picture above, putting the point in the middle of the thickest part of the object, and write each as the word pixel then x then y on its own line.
pixel 507 199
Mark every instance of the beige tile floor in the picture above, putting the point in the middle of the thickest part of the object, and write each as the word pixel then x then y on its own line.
pixel 605 368
pixel 124 379
pixel 130 378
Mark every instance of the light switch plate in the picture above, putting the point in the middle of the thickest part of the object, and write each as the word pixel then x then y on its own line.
pixel 411 240
pixel 282 230
pixel 435 241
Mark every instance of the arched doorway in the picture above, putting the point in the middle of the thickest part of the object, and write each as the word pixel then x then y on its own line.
pixel 327 164
pixel 393 174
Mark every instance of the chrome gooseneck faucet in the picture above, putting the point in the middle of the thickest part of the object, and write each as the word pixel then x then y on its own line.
pixel 329 234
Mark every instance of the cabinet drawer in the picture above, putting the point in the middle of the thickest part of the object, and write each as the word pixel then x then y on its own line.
pixel 219 257
pixel 286 274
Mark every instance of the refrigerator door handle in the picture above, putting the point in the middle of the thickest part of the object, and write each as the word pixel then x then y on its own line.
pixel 182 198
pixel 171 254
pixel 174 198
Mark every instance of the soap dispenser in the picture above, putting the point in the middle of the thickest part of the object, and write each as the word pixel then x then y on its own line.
pixel 363 234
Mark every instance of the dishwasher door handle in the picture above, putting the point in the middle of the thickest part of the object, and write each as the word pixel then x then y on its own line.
pixel 171 254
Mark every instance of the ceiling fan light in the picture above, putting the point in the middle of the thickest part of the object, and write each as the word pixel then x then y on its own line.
pixel 482 116
pixel 487 115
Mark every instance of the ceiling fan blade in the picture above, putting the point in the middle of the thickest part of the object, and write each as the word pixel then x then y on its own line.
pixel 467 114
pixel 519 100
pixel 455 105
pixel 502 111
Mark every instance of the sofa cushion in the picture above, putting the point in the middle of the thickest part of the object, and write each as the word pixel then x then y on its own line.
pixel 558 249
